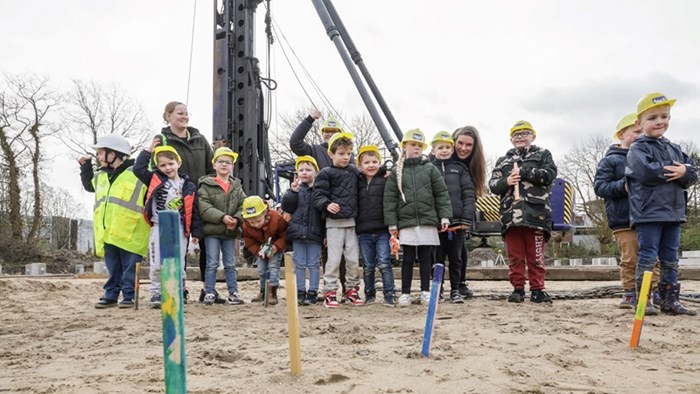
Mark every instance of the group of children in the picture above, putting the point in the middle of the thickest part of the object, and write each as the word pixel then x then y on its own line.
pixel 426 203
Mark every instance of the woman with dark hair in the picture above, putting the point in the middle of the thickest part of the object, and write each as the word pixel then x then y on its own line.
pixel 470 152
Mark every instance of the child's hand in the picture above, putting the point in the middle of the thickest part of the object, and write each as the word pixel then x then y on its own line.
pixel 295 184
pixel 444 227
pixel 675 171
pixel 155 142
pixel 315 114
pixel 84 159
pixel 229 220
pixel 333 208
pixel 195 241
pixel 273 250
pixel 394 233
pixel 325 242
pixel 514 177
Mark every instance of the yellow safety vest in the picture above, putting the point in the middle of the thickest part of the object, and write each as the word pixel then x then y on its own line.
pixel 118 216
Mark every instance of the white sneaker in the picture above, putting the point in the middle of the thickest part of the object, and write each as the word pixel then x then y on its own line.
pixel 209 299
pixel 425 297
pixel 404 300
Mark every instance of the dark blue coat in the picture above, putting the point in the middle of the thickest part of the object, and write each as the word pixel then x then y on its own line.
pixel 307 222
pixel 370 197
pixel 461 189
pixel 652 198
pixel 610 185
pixel 302 148
pixel 337 185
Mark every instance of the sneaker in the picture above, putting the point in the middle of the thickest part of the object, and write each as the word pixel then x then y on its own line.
pixel 539 296
pixel 456 298
pixel 125 304
pixel 311 298
pixel 209 299
pixel 155 301
pixel 517 296
pixel 234 299
pixel 185 296
pixel 330 300
pixel 301 297
pixel 425 297
pixel 389 301
pixel 353 297
pixel 656 298
pixel 404 300
pixel 629 301
pixel 104 303
pixel 465 292
pixel 370 299
pixel 217 299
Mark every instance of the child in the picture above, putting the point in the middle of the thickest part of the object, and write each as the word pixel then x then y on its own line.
pixel 265 235
pixel 416 205
pixel 335 194
pixel 306 229
pixel 658 173
pixel 610 184
pixel 220 199
pixel 121 233
pixel 526 218
pixel 373 234
pixel 461 190
pixel 167 191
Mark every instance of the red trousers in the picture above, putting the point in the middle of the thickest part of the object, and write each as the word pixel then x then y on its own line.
pixel 525 247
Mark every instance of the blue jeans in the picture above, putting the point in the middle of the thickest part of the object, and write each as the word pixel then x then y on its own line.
pixel 227 248
pixel 273 266
pixel 376 252
pixel 121 265
pixel 307 256
pixel 658 240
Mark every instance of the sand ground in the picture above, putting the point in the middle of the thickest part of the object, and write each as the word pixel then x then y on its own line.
pixel 52 340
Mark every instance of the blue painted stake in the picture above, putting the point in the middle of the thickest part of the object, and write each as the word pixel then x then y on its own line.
pixel 172 303
pixel 438 271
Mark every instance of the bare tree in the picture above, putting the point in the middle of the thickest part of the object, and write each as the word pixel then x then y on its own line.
pixel 93 110
pixel 692 150
pixel 579 167
pixel 12 152
pixel 36 99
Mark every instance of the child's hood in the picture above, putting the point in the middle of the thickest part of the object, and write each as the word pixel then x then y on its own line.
pixel 616 149
pixel 210 180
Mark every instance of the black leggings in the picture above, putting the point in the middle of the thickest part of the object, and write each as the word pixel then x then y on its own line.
pixel 426 257
pixel 452 249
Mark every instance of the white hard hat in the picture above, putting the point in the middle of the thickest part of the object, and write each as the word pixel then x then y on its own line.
pixel 114 142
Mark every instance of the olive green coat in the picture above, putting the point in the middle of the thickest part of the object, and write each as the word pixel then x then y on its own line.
pixel 214 204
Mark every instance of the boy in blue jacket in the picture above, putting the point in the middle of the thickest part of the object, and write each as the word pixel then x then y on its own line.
pixel 610 184
pixel 658 173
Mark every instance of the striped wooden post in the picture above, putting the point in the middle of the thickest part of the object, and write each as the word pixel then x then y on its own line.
pixel 438 272
pixel 172 303
pixel 292 314
pixel 641 309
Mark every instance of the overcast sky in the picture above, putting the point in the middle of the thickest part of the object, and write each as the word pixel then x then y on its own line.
pixel 571 68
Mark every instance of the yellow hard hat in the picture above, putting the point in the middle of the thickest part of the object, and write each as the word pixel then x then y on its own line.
pixel 652 100
pixel 331 124
pixel 165 148
pixel 626 121
pixel 369 148
pixel 305 159
pixel 253 206
pixel 522 125
pixel 224 151
pixel 338 136
pixel 414 135
pixel 443 136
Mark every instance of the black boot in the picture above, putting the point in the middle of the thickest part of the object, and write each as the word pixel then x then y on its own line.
pixel 273 296
pixel 650 310
pixel 301 297
pixel 670 303
pixel 311 298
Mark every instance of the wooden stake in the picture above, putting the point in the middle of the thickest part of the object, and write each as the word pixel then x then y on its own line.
pixel 517 187
pixel 292 314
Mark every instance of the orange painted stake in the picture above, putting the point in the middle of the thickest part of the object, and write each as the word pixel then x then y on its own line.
pixel 641 308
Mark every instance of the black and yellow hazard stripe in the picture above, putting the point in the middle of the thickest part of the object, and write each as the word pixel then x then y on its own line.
pixel 568 201
pixel 489 205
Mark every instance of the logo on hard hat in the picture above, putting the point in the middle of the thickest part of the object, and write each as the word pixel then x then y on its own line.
pixel 331 124
pixel 250 210
pixel 417 137
pixel 658 99
pixel 519 124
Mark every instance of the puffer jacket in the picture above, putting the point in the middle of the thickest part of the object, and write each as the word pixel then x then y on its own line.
pixel 461 189
pixel 302 148
pixel 610 185
pixel 652 197
pixel 214 204
pixel 427 200
pixel 337 185
pixel 537 172
pixel 274 229
pixel 370 197
pixel 196 153
pixel 307 222
pixel 189 217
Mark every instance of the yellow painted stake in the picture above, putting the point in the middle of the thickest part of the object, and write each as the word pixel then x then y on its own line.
pixel 641 308
pixel 292 314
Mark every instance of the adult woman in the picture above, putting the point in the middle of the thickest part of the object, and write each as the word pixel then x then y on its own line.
pixel 195 151
pixel 469 151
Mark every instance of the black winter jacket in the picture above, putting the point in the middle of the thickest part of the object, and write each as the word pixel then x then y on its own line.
pixel 337 185
pixel 652 198
pixel 307 222
pixel 461 189
pixel 370 197
pixel 196 153
pixel 610 185
pixel 302 148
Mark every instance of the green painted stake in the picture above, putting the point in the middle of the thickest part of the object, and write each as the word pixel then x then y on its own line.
pixel 172 303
